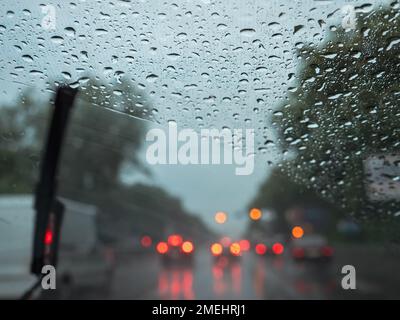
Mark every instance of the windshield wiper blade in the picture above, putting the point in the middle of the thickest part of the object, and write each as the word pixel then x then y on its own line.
pixel 48 209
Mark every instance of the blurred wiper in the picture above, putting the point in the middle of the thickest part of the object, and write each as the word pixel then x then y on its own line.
pixel 31 86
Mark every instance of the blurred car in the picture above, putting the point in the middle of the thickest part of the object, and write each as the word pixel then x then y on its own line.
pixel 272 246
pixel 311 247
pixel 83 261
pixel 226 250
pixel 175 250
pixel 275 249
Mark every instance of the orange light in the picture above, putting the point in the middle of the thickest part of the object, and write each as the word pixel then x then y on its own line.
pixel 146 241
pixel 175 240
pixel 277 248
pixel 297 232
pixel 261 248
pixel 187 247
pixel 235 249
pixel 48 237
pixel 255 214
pixel 220 217
pixel 162 247
pixel 244 245
pixel 216 249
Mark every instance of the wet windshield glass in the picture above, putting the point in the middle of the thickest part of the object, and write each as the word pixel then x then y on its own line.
pixel 207 131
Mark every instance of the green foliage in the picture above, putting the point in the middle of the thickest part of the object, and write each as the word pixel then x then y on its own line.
pixel 345 108
pixel 21 130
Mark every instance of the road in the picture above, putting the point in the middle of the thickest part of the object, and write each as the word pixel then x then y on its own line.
pixel 250 277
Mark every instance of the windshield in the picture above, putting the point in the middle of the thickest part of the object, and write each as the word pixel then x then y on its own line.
pixel 206 139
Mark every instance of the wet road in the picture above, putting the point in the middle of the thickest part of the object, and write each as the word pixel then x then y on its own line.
pixel 250 277
pixel 143 276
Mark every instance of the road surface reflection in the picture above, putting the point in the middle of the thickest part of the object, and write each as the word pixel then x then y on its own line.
pixel 227 277
pixel 176 283
pixel 247 277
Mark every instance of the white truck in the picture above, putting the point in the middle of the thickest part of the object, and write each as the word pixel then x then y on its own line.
pixel 16 235
pixel 82 262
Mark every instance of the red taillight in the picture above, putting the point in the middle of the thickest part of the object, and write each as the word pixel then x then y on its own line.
pixel 298 252
pixel 244 245
pixel 261 248
pixel 48 237
pixel 175 240
pixel 277 248
pixel 146 241
pixel 162 247
pixel 216 249
pixel 327 251
pixel 187 247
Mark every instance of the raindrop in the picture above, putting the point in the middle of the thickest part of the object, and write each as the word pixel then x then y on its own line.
pixel 57 39
pixel 151 77
pixel 66 75
pixel 222 26
pixel 27 58
pixel 101 31
pixel 182 36
pixel 36 72
pixel 297 28
pixel 70 32
pixel 247 32
pixel 173 56
pixel 393 42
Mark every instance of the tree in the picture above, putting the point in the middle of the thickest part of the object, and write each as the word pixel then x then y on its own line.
pixel 20 143
pixel 344 109
pixel 99 143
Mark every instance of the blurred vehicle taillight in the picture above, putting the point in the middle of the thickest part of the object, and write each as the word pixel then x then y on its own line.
pixel 146 241
pixel 235 249
pixel 175 240
pixel 48 237
pixel 277 248
pixel 162 247
pixel 187 247
pixel 327 251
pixel 298 252
pixel 261 248
pixel 216 249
